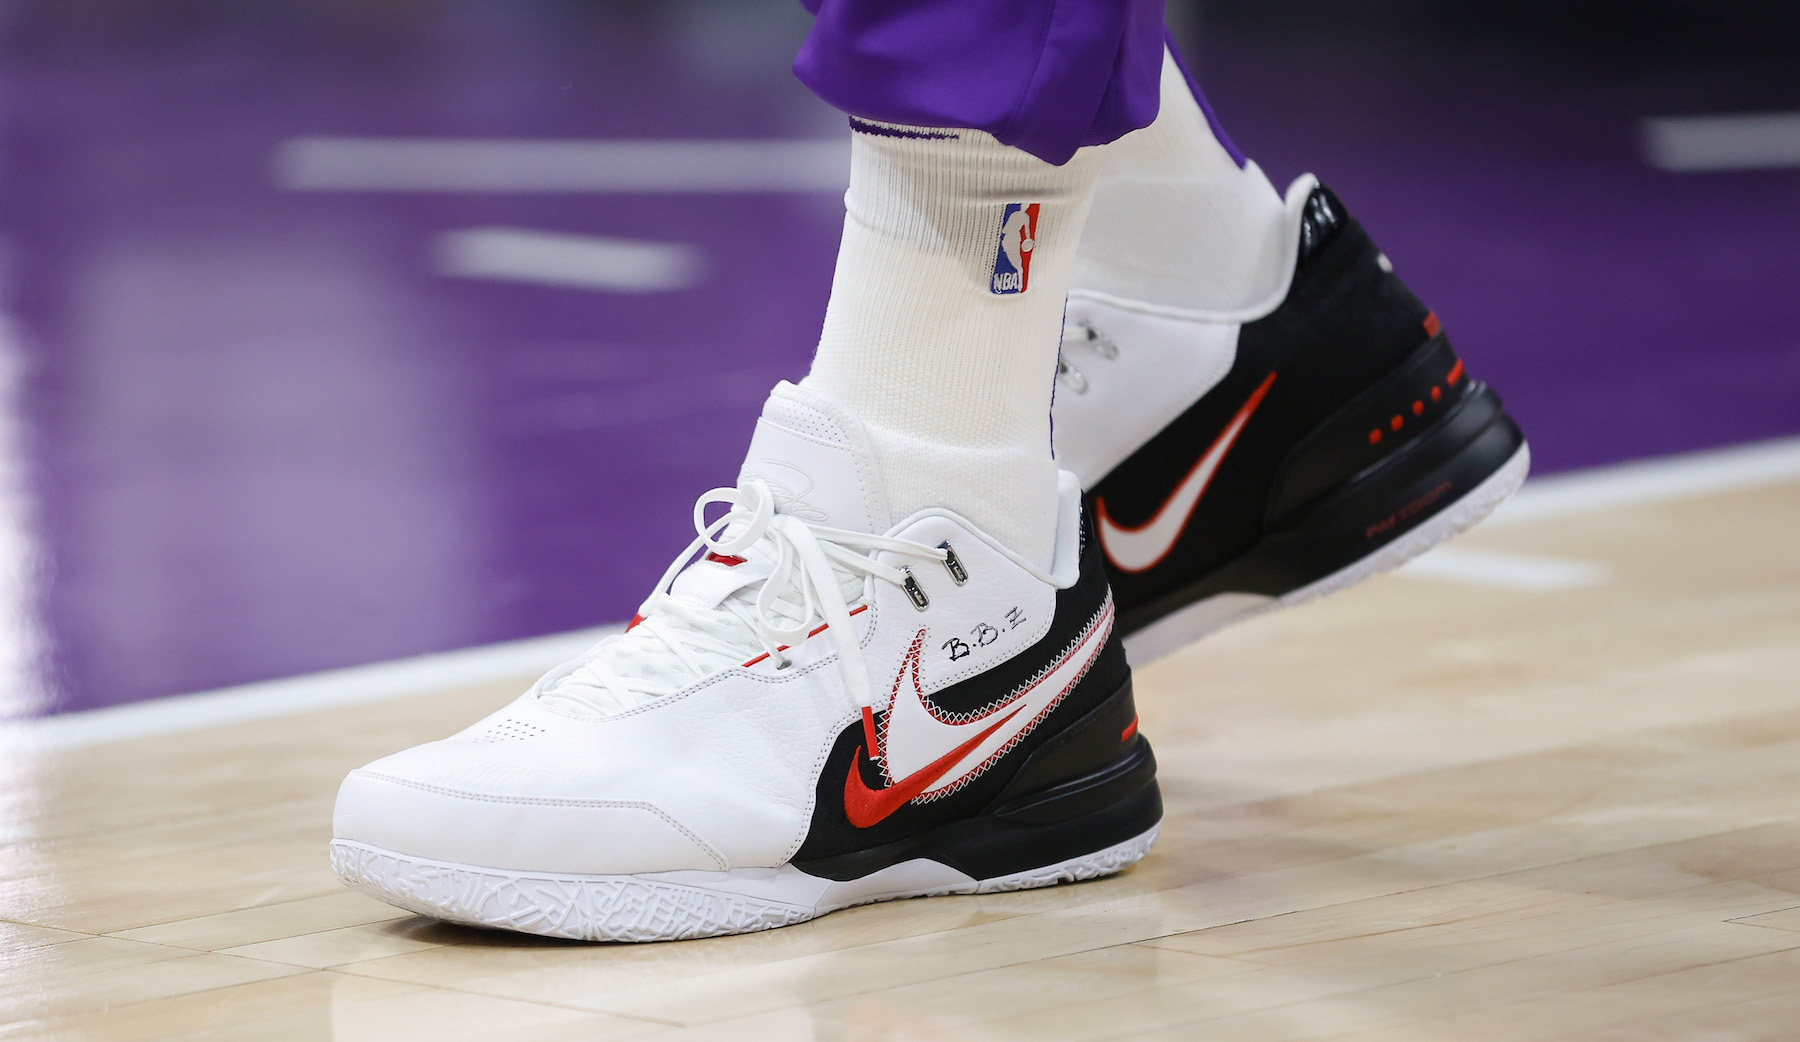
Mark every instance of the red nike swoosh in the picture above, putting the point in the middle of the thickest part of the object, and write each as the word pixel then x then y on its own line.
pixel 866 807
pixel 1141 548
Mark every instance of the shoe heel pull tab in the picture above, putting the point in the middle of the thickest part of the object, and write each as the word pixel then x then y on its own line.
pixel 914 592
pixel 1320 221
pixel 953 564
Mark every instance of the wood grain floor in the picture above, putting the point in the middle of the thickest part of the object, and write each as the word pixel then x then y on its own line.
pixel 1418 810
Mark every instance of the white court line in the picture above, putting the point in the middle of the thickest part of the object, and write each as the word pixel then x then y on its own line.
pixel 1562 495
pixel 379 164
pixel 561 259
pixel 1696 144
pixel 1528 573
pixel 1593 491
pixel 1661 480
pixel 376 682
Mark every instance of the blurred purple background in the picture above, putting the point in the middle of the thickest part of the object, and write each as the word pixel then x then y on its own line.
pixel 270 404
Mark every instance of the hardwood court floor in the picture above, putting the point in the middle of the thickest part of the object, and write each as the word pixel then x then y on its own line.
pixel 1415 811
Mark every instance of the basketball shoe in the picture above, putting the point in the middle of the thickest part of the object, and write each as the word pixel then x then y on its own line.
pixel 1231 469
pixel 812 715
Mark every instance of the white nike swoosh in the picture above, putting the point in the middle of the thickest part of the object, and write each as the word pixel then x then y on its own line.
pixel 1142 548
pixel 915 736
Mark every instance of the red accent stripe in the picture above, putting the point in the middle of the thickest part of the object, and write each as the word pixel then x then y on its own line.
pixel 1432 326
pixel 1456 373
pixel 635 619
pixel 1130 729
pixel 729 561
pixel 858 610
pixel 869 741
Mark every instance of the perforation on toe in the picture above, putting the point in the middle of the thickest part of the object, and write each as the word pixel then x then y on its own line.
pixel 508 730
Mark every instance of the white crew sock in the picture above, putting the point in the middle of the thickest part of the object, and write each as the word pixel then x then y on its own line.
pixel 949 368
pixel 1177 228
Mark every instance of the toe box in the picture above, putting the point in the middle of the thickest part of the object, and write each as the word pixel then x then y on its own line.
pixel 464 803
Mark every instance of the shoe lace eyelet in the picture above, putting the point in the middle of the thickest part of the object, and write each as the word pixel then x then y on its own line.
pixel 914 592
pixel 953 564
pixel 1102 344
pixel 1071 376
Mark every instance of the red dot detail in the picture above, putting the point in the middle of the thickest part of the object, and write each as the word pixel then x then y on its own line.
pixel 1418 408
pixel 1375 436
pixel 1396 422
pixel 1436 393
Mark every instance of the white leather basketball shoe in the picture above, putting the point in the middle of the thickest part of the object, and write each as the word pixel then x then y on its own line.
pixel 1237 466
pixel 821 711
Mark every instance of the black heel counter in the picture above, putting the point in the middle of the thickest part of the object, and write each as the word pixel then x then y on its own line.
pixel 1346 302
pixel 1379 368
pixel 1105 737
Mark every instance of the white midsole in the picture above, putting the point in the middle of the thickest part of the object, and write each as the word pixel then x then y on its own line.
pixel 656 906
pixel 1178 629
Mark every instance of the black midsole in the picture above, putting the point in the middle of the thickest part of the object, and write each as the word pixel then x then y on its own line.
pixel 1058 823
pixel 1369 511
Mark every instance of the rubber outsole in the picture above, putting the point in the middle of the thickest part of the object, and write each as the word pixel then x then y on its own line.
pixel 1180 628
pixel 666 906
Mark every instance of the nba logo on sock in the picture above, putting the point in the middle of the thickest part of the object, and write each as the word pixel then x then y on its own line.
pixel 1018 237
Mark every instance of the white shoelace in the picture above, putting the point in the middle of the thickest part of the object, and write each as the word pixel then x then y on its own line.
pixel 676 643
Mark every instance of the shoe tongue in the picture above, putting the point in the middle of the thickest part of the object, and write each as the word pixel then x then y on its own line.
pixel 815 457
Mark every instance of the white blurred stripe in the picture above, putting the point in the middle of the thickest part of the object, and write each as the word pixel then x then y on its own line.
pixel 1528 573
pixel 513 660
pixel 374 164
pixel 23 640
pixel 1643 482
pixel 561 259
pixel 1693 144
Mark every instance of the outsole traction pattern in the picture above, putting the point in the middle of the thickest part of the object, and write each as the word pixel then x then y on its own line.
pixel 632 908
